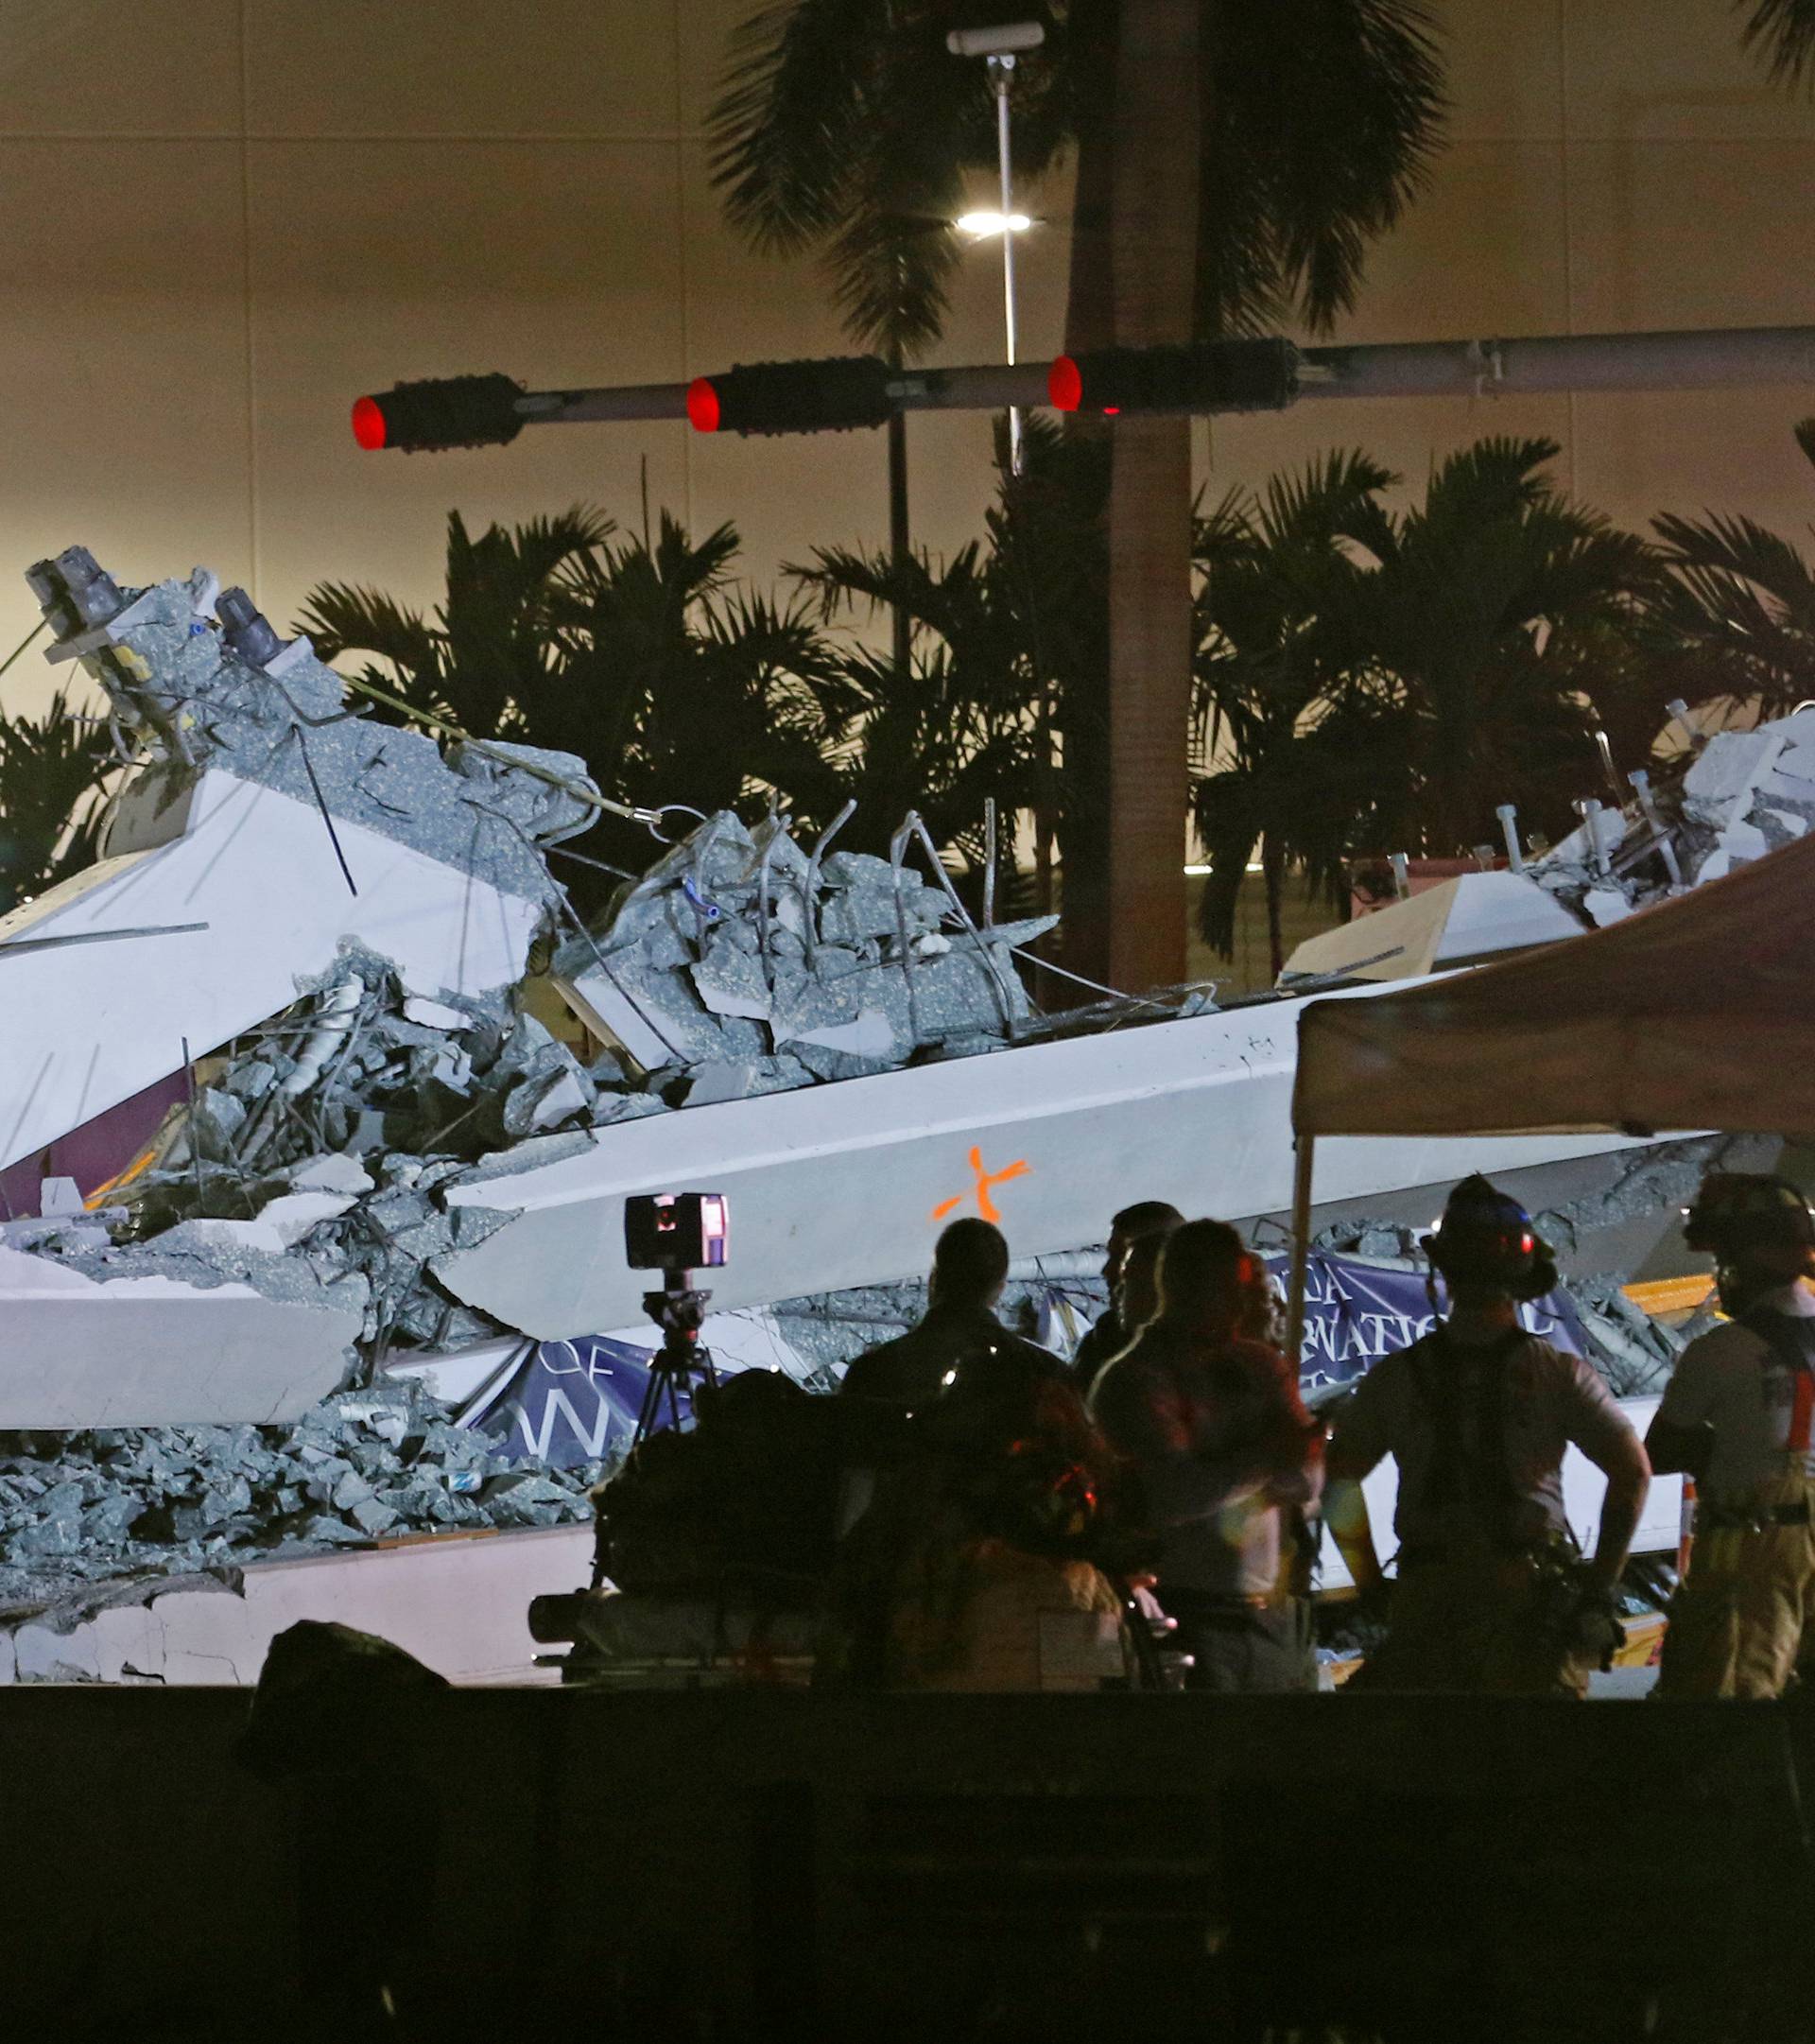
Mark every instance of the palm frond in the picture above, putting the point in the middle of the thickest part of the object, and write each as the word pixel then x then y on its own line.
pixel 52 767
pixel 1323 117
pixel 1783 32
pixel 788 123
pixel 342 617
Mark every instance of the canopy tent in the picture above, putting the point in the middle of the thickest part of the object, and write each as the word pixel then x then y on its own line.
pixel 1696 1014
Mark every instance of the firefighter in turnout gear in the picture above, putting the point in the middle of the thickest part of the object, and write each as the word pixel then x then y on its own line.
pixel 1491 1595
pixel 1737 1417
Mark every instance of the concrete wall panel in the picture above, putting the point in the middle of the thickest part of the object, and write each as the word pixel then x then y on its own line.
pixel 122 365
pixel 466 68
pixel 120 67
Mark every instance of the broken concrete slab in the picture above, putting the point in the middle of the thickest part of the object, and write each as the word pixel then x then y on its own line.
pixel 869 1035
pixel 1717 788
pixel 1605 905
pixel 259 826
pixel 256 886
pixel 152 1350
pixel 331 1174
pixel 458 1603
pixel 907 1151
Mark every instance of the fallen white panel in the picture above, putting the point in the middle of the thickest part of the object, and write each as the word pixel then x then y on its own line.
pixel 459 1603
pixel 458 1375
pixel 1474 916
pixel 155 1352
pixel 90 1023
pixel 849 1184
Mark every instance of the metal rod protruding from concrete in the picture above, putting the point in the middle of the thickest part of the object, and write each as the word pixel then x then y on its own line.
pixel 897 852
pixel 1606 750
pixel 1509 817
pixel 810 892
pixel 989 861
pixel 1401 876
pixel 1648 808
pixel 1589 812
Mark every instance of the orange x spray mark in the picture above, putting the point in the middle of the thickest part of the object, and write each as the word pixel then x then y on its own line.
pixel 985 1205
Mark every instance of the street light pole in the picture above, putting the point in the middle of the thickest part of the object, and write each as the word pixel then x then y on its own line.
pixel 1001 77
pixel 997 47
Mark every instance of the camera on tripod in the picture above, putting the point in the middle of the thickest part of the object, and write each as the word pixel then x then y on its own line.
pixel 676 1233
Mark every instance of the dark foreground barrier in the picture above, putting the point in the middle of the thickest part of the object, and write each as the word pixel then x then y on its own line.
pixel 795 1865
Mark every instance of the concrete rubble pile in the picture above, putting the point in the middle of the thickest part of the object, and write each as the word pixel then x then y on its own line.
pixel 312 1169
pixel 740 965
pixel 378 1055
pixel 310 1164
pixel 87 1520
pixel 1743 793
pixel 423 1089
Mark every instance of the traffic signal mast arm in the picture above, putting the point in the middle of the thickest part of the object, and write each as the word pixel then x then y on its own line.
pixel 849 392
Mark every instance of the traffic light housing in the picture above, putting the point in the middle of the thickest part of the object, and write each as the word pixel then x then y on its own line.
pixel 1200 376
pixel 439 412
pixel 837 394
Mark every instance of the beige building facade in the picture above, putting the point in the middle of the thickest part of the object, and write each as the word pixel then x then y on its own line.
pixel 220 220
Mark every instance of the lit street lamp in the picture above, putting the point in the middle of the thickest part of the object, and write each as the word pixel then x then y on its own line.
pixel 998 47
pixel 980 225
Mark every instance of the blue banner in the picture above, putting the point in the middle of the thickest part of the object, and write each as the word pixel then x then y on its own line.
pixel 1356 1312
pixel 570 1402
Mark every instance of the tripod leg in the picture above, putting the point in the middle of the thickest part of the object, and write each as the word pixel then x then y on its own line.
pixel 649 1410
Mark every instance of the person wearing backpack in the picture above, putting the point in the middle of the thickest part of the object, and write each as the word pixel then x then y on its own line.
pixel 1737 1417
pixel 1491 1595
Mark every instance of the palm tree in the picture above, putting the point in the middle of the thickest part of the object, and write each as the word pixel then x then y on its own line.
pixel 1234 160
pixel 1738 610
pixel 638 656
pixel 1302 729
pixel 1499 611
pixel 51 772
pixel 1381 679
pixel 951 733
pixel 1003 638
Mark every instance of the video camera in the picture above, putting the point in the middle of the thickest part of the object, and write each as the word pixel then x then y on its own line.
pixel 676 1231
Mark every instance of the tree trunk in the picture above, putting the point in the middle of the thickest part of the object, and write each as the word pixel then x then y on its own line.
pixel 1157 127
pixel 1272 873
pixel 1084 837
pixel 900 541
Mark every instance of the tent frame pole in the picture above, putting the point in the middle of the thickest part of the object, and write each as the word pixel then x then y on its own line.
pixel 1303 1148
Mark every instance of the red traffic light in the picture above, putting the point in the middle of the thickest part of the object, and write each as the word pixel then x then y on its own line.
pixel 1197 376
pixel 838 395
pixel 369 423
pixel 436 413
pixel 1065 384
pixel 702 405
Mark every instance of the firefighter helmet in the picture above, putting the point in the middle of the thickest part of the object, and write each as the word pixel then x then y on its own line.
pixel 1487 1238
pixel 1735 1211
